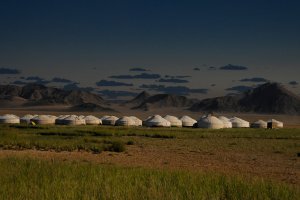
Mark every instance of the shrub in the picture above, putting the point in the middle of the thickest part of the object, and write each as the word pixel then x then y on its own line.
pixel 96 149
pixel 157 135
pixel 26 126
pixel 99 134
pixel 116 146
pixel 130 142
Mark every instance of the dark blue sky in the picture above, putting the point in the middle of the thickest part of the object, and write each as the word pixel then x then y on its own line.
pixel 90 41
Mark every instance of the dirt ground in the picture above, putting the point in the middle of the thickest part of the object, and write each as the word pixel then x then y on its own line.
pixel 271 166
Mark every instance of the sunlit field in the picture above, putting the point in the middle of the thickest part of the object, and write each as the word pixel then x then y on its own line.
pixel 39 179
pixel 103 162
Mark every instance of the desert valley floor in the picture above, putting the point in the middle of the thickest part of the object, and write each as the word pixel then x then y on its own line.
pixel 266 157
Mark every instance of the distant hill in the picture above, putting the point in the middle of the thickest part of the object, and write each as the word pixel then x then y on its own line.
pixel 11 101
pixel 267 98
pixel 162 101
pixel 140 98
pixel 36 94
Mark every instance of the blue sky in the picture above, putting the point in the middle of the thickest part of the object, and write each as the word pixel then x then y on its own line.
pixel 92 41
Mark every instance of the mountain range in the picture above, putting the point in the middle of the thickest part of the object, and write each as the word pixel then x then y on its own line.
pixel 267 98
pixel 146 102
pixel 40 95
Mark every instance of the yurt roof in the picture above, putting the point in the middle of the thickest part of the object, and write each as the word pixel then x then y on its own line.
pixel 27 116
pixel 238 120
pixel 72 117
pixel 155 118
pixel 260 122
pixel 274 120
pixel 63 116
pixel 9 116
pixel 149 117
pixel 134 117
pixel 42 117
pixel 104 117
pixel 52 117
pixel 91 117
pixel 210 119
pixel 187 118
pixel 223 118
pixel 126 118
pixel 111 118
pixel 171 118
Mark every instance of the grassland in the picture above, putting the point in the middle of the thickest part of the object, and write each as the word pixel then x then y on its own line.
pixel 64 138
pixel 36 179
pixel 102 162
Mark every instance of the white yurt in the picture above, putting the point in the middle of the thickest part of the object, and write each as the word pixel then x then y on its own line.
pixel 137 121
pixel 103 117
pixel 239 123
pixel 110 120
pixel 157 121
pixel 187 121
pixel 9 119
pixel 73 120
pixel 144 122
pixel 226 122
pixel 52 117
pixel 125 121
pixel 92 120
pixel 209 121
pixel 26 119
pixel 175 122
pixel 273 123
pixel 60 119
pixel 259 124
pixel 43 119
pixel 81 116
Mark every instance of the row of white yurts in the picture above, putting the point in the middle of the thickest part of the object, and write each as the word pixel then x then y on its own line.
pixel 50 119
pixel 71 120
pixel 213 122
pixel 206 121
pixel 122 121
pixel 155 120
pixel 210 121
pixel 169 121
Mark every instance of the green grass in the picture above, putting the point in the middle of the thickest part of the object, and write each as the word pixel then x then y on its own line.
pixel 24 178
pixel 56 138
pixel 72 138
pixel 102 131
pixel 106 138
